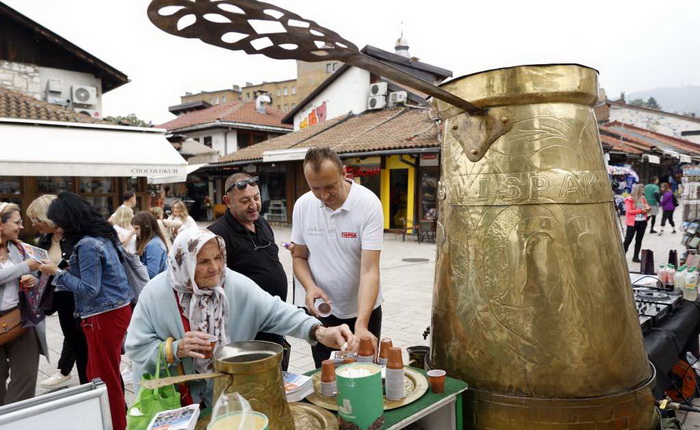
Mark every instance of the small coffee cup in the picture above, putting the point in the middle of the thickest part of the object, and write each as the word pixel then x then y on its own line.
pixel 323 308
pixel 437 380
pixel 213 341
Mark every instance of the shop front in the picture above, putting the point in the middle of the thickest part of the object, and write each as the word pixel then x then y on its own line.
pixel 99 162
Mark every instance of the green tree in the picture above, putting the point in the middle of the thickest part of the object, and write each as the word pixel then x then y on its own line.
pixel 638 102
pixel 651 103
pixel 131 120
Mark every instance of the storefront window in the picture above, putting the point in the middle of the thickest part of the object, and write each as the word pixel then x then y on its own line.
pixel 369 175
pixel 273 193
pixel 428 193
pixel 399 197
pixel 95 185
pixel 54 184
pixel 102 203
pixel 9 185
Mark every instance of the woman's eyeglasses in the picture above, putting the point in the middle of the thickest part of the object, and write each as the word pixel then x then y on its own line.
pixel 242 184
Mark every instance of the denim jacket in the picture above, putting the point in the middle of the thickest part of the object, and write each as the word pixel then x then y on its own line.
pixel 96 277
pixel 154 256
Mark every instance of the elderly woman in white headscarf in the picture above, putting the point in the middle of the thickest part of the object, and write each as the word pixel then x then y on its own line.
pixel 197 298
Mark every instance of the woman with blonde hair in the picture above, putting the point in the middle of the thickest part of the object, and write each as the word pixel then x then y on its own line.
pixel 122 224
pixel 166 225
pixel 179 212
pixel 60 248
pixel 637 209
pixel 19 358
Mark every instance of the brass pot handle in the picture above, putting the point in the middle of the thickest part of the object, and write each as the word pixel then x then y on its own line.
pixel 172 380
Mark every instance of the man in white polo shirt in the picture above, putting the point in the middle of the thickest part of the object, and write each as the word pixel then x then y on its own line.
pixel 337 232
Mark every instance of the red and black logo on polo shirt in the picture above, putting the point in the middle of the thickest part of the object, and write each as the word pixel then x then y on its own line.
pixel 348 234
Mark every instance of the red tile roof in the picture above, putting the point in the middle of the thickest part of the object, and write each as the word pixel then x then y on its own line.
pixel 16 105
pixel 621 145
pixel 238 112
pixel 648 138
pixel 400 128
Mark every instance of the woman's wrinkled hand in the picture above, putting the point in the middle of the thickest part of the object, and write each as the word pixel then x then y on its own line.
pixel 194 344
pixel 336 337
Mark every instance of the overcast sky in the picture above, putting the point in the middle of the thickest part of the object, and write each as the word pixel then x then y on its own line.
pixel 636 45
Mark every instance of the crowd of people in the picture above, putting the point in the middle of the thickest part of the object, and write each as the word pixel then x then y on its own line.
pixel 226 281
pixel 642 207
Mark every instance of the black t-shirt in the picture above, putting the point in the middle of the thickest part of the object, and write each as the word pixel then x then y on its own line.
pixel 253 254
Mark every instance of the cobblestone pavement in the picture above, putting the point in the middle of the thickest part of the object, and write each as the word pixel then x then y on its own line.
pixel 407 290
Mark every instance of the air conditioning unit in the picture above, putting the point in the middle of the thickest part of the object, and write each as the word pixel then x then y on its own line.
pixel 376 102
pixel 84 95
pixel 93 113
pixel 54 86
pixel 397 97
pixel 378 89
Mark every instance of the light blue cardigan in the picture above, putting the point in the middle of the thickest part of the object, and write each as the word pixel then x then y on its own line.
pixel 156 317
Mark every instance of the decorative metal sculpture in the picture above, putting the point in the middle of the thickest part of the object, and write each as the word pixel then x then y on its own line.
pixel 262 28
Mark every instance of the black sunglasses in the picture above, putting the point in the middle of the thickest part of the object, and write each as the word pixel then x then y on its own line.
pixel 243 183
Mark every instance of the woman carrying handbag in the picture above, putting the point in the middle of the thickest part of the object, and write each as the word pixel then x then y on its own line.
pixel 19 347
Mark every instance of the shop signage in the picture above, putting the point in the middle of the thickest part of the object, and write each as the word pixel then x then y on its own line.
pixel 428 160
pixel 154 171
pixel 653 159
pixel 360 171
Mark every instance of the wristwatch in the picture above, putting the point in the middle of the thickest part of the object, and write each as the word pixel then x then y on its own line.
pixel 312 332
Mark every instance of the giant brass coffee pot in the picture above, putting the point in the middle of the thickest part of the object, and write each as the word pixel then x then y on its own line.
pixel 532 301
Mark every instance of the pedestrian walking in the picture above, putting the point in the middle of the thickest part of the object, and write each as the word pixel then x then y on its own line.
pixel 636 209
pixel 653 196
pixel 668 205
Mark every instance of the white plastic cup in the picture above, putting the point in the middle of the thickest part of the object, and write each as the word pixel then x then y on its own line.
pixel 323 308
pixel 395 389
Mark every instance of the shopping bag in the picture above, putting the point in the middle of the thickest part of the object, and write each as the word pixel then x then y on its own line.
pixel 30 300
pixel 151 401
pixel 647 266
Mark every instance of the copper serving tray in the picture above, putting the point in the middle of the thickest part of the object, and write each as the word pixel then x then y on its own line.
pixel 415 382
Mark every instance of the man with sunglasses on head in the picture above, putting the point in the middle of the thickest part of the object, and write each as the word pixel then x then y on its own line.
pixel 250 244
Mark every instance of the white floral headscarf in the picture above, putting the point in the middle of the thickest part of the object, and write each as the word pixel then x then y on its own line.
pixel 206 309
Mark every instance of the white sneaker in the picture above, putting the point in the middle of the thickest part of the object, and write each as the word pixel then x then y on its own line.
pixel 661 232
pixel 57 380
